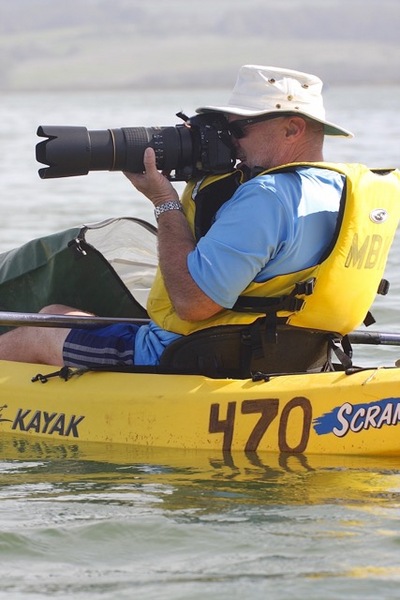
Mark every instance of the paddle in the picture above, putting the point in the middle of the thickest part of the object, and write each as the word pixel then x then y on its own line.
pixel 374 338
pixel 18 319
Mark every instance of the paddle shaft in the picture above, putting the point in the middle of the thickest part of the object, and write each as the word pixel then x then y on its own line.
pixel 18 319
pixel 374 338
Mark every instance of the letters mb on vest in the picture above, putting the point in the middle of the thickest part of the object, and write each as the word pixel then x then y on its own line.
pixel 368 253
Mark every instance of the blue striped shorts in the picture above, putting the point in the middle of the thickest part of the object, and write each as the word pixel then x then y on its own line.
pixel 111 345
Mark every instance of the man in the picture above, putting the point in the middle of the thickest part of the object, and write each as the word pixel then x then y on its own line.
pixel 273 226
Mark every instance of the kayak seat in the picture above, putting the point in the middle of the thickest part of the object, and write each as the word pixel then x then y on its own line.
pixel 238 352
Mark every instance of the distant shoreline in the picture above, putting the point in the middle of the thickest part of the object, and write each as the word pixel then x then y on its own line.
pixel 46 45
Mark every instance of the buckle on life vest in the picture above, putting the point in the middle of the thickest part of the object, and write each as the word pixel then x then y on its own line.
pixel 304 288
pixel 383 287
pixel 291 302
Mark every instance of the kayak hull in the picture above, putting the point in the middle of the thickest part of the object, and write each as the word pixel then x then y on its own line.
pixel 322 413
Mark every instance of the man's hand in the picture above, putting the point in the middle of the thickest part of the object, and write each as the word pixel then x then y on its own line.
pixel 153 184
pixel 175 242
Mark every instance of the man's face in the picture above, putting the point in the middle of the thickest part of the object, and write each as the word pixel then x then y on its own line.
pixel 261 144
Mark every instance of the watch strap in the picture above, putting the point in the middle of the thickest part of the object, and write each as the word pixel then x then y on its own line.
pixel 167 206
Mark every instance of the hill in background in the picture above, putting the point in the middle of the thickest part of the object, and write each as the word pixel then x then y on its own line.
pixel 100 44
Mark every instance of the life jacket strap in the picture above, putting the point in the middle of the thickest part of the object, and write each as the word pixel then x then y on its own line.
pixel 290 302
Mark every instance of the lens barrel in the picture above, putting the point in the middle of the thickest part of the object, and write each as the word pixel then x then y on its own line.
pixel 71 151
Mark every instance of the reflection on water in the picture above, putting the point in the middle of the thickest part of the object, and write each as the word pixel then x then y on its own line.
pixel 179 475
pixel 88 521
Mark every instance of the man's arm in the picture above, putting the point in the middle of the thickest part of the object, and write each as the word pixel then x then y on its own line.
pixel 175 242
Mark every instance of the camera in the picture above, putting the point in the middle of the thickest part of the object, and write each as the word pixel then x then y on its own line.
pixel 198 146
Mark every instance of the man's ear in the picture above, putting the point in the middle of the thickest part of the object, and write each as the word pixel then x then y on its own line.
pixel 295 126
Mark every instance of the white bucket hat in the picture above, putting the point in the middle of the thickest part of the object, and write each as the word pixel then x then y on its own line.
pixel 261 90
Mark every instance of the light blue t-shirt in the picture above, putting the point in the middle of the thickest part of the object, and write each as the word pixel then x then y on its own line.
pixel 273 224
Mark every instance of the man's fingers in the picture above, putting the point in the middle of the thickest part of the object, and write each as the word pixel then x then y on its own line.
pixel 149 160
pixel 151 183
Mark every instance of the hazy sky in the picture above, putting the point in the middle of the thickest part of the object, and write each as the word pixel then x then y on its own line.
pixel 153 43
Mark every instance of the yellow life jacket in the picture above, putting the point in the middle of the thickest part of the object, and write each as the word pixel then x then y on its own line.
pixel 334 295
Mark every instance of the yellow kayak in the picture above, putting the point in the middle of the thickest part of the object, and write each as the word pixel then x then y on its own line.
pixel 319 413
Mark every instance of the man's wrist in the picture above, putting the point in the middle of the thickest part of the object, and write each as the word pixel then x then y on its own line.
pixel 166 207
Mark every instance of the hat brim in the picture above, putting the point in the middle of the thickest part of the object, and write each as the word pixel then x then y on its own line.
pixel 329 128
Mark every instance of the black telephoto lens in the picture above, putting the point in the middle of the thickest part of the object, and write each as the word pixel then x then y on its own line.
pixel 201 145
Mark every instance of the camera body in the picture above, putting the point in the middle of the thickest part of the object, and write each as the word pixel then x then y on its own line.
pixel 198 146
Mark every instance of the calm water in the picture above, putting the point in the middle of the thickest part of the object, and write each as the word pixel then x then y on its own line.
pixel 114 523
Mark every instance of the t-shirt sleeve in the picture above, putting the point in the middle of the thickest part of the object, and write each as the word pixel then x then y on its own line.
pixel 248 232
